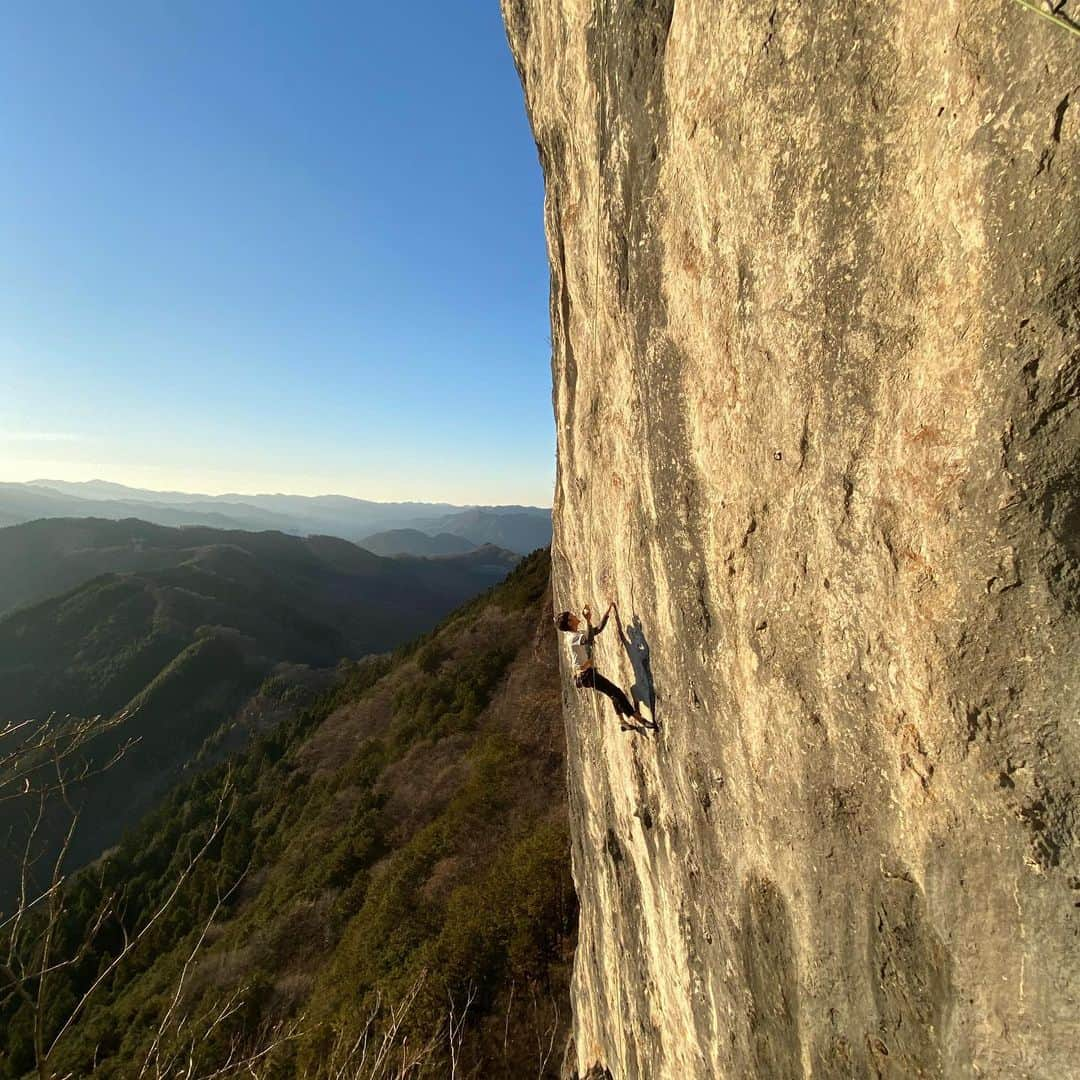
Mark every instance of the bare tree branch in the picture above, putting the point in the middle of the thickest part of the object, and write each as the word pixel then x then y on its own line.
pixel 221 816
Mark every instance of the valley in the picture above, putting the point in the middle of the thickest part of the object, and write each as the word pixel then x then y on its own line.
pixel 178 627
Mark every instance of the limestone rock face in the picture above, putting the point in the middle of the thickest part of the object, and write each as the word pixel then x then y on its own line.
pixel 816 323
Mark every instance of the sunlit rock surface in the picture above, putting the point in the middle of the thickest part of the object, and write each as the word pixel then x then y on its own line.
pixel 816 327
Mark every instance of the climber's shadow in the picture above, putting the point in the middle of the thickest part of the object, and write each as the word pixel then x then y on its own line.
pixel 637 649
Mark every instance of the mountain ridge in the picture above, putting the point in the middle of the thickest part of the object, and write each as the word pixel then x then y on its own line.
pixel 178 625
pixel 415 542
pixel 50 555
pixel 522 528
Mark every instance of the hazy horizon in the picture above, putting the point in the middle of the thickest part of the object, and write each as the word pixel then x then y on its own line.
pixel 255 249
pixel 268 492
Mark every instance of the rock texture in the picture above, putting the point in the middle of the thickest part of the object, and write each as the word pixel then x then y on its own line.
pixel 816 322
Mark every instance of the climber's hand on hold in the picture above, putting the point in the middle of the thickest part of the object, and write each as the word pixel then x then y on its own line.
pixel 587 612
pixel 618 623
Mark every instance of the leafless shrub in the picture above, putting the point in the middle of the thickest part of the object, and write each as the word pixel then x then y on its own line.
pixel 455 1032
pixel 545 1037
pixel 381 1051
pixel 42 757
pixel 41 762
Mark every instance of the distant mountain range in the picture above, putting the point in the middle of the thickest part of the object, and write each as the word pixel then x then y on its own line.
pixel 415 542
pixel 517 528
pixel 182 625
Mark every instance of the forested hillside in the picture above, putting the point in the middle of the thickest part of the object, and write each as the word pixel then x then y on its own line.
pixel 392 858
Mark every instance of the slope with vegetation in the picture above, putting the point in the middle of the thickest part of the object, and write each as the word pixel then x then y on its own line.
pixel 387 869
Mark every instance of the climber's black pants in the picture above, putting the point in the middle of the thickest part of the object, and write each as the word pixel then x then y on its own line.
pixel 592 679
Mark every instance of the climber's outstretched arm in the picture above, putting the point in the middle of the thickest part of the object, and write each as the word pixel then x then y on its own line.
pixel 594 631
pixel 619 626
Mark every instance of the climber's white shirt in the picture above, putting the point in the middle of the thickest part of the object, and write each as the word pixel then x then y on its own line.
pixel 579 650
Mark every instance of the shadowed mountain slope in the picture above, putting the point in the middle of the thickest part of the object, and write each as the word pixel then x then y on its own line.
pixel 43 558
pixel 184 637
pixel 404 831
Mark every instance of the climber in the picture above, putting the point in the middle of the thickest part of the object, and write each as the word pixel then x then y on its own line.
pixel 587 677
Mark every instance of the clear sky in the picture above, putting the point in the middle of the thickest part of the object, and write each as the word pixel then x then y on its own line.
pixel 268 246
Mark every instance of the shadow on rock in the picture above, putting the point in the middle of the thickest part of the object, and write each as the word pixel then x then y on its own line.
pixel 637 649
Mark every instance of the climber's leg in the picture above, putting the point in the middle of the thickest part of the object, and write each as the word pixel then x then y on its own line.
pixel 592 679
pixel 623 705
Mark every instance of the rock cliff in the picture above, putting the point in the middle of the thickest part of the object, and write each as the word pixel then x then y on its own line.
pixel 815 313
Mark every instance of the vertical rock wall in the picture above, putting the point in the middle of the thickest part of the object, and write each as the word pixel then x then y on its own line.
pixel 816 322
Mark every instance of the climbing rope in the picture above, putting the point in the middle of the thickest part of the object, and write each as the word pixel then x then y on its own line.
pixel 600 114
pixel 1052 16
pixel 601 87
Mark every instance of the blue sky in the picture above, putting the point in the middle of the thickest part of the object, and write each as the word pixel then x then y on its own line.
pixel 271 247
